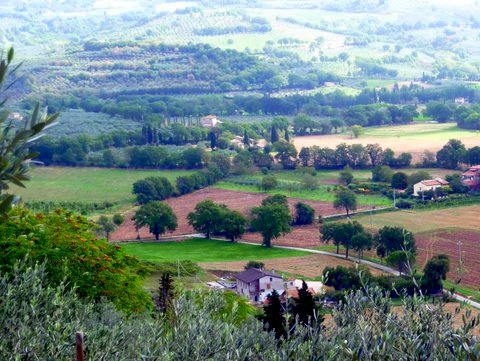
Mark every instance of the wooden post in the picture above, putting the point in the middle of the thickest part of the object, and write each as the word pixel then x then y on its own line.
pixel 79 346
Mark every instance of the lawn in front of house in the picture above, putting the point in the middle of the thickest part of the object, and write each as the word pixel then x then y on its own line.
pixel 205 250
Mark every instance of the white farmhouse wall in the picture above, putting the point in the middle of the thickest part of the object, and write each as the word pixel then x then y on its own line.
pixel 268 284
pixel 420 187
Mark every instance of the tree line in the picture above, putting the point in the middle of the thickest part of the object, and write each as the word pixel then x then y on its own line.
pixel 144 106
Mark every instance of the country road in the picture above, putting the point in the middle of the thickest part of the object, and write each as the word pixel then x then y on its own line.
pixel 380 267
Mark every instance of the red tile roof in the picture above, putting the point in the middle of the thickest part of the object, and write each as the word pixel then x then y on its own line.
pixel 435 182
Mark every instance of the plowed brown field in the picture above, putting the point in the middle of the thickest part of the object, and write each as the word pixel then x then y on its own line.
pixel 307 236
pixel 447 242
pixel 306 266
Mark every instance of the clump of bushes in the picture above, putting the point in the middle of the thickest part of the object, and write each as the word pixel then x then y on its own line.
pixel 304 214
pixel 201 179
pixel 66 243
pixel 269 182
pixel 78 207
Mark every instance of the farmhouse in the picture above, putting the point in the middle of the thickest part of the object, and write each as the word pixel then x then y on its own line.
pixel 471 178
pixel 313 287
pixel 257 284
pixel 211 121
pixel 428 185
pixel 15 116
pixel 238 142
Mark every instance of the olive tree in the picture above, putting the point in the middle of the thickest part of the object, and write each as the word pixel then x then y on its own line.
pixel 15 141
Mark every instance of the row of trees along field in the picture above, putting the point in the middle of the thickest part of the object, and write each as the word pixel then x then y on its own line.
pixel 451 156
pixel 156 107
pixel 116 150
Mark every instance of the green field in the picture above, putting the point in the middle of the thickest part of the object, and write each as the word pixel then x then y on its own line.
pixel 325 191
pixel 203 250
pixel 321 194
pixel 421 131
pixel 86 184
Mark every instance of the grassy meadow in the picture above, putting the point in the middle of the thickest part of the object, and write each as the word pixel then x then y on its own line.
pixel 204 250
pixel 323 193
pixel 325 178
pixel 422 131
pixel 86 184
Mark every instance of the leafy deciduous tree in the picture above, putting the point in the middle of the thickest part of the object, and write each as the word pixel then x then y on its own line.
pixel 233 224
pixel 395 239
pixel 207 217
pixel 271 221
pixel 434 272
pixel 345 199
pixel 158 216
pixel 346 176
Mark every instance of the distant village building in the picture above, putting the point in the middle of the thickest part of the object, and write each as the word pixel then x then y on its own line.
pixel 211 121
pixel 15 116
pixel 257 284
pixel 471 178
pixel 428 185
pixel 460 101
pixel 238 143
pixel 261 143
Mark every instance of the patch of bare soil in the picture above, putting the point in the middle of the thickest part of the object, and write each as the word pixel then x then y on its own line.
pixel 241 201
pixel 304 266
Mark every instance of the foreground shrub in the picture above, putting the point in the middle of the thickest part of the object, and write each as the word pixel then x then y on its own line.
pixel 38 322
pixel 97 268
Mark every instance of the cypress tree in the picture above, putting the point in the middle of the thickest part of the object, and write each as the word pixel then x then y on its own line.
pixel 246 139
pixel 274 134
pixel 145 134
pixel 287 136
pixel 273 315
pixel 165 293
pixel 149 135
pixel 304 306
pixel 213 140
